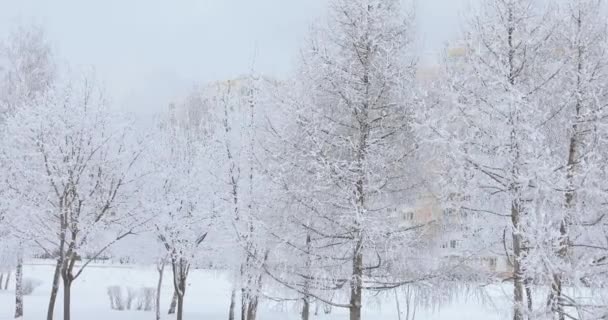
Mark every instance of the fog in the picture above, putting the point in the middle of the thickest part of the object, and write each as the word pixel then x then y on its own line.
pixel 148 52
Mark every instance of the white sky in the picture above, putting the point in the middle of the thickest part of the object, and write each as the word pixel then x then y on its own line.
pixel 150 51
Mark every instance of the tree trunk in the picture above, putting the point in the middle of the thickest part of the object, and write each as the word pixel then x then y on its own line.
pixel 574 155
pixel 305 308
pixel 306 298
pixel 8 278
pixel 356 285
pixel 252 308
pixel 1 277
pixel 529 298
pixel 253 296
pixel 518 285
pixel 54 290
pixel 180 268
pixel 161 269
pixel 180 307
pixel 232 304
pixel 244 302
pixel 19 288
pixel 67 291
pixel 397 305
pixel 173 304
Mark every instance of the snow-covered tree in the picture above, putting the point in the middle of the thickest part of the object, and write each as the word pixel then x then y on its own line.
pixel 27 71
pixel 347 160
pixel 578 129
pixel 499 95
pixel 236 106
pixel 27 68
pixel 70 164
pixel 180 199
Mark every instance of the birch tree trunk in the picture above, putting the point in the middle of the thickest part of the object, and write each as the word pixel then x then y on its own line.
pixel 19 288
pixel 306 298
pixel 518 285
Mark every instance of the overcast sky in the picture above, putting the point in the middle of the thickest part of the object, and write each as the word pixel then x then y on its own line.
pixel 149 51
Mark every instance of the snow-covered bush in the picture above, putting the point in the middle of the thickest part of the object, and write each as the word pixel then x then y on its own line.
pixel 145 298
pixel 115 295
pixel 29 285
pixel 142 299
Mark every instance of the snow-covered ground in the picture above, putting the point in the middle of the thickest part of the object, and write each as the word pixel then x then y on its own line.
pixel 207 298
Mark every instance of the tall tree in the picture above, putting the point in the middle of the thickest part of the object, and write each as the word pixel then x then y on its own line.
pixel 500 95
pixel 27 71
pixel 579 131
pixel 237 104
pixel 348 159
pixel 180 198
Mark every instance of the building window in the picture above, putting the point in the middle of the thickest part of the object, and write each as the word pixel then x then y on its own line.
pixel 449 212
pixel 492 263
pixel 453 244
pixel 409 215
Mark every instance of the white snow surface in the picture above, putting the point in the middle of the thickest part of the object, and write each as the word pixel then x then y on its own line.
pixel 207 297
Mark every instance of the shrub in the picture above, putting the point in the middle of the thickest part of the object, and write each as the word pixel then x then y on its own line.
pixel 116 301
pixel 29 285
pixel 142 299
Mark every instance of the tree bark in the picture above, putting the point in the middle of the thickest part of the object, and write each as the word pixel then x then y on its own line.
pixel 161 269
pixel 555 298
pixel 173 304
pixel 252 307
pixel 306 298
pixel 356 285
pixel 305 308
pixel 232 304
pixel 529 297
pixel 518 285
pixel 244 302
pixel 19 288
pixel 180 307
pixel 180 268
pixel 54 290
pixel 67 292
pixel 8 278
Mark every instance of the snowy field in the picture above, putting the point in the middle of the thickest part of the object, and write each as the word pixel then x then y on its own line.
pixel 207 298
